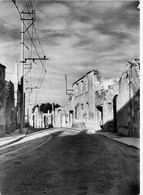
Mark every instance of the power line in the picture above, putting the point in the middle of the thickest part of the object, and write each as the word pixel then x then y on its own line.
pixel 39 84
pixel 29 34
pixel 34 27
pixel 30 6
pixel 40 87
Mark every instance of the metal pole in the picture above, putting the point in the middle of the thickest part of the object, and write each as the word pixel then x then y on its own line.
pixel 66 82
pixel 131 132
pixel 22 78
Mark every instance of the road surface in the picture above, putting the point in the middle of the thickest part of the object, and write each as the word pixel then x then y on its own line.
pixel 73 163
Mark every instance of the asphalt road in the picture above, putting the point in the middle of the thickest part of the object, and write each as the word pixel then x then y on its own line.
pixel 73 164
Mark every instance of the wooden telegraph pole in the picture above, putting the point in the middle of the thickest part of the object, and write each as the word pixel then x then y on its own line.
pixel 30 16
pixel 24 17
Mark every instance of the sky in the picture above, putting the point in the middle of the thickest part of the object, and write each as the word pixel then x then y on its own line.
pixel 76 36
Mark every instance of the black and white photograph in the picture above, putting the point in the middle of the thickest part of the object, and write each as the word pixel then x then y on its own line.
pixel 70 97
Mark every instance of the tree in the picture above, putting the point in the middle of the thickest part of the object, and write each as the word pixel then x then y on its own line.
pixel 56 106
pixel 44 107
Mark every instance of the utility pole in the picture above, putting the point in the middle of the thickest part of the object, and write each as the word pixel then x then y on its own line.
pixel 22 79
pixel 22 99
pixel 25 16
pixel 68 91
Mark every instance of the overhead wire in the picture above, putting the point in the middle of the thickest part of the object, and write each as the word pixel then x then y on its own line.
pixel 35 28
pixel 29 34
pixel 26 2
pixel 40 87
pixel 31 39
pixel 40 84
pixel 29 92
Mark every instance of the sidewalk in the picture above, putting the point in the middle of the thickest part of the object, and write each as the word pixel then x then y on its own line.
pixel 130 141
pixel 16 136
pixel 13 137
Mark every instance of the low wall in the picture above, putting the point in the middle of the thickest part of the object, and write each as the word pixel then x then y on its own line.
pixel 85 125
pixel 123 130
pixel 2 130
pixel 91 126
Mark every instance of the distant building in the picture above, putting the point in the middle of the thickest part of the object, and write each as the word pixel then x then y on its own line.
pixel 62 117
pixel 128 101
pixel 38 119
pixel 2 99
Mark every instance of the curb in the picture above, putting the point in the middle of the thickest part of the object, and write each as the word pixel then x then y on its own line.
pixel 131 146
pixel 20 138
pixel 30 134
pixel 50 137
pixel 16 140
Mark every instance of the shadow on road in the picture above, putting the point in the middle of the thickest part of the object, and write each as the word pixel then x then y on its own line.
pixel 73 164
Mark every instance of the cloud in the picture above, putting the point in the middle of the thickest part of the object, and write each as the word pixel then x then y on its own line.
pixel 7 33
pixel 77 36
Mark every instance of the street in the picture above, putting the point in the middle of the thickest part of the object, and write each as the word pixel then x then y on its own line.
pixel 73 163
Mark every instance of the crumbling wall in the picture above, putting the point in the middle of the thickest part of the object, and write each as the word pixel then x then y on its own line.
pixel 128 101
pixel 9 107
pixel 2 100
pixel 104 95
pixel 109 106
pixel 83 100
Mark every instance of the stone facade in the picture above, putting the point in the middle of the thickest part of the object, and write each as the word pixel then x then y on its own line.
pixel 2 99
pixel 7 104
pixel 91 106
pixel 105 104
pixel 128 101
pixel 40 120
pixel 83 101
pixel 9 107
pixel 62 117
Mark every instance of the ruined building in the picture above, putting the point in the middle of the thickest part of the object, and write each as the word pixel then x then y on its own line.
pixel 128 101
pixel 10 112
pixel 62 117
pixel 40 120
pixel 105 103
pixel 92 102
pixel 2 99
pixel 7 106
pixel 83 101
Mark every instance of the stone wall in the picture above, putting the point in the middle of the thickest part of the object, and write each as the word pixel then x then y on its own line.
pixel 128 101
pixel 2 100
pixel 84 99
pixel 9 107
pixel 105 103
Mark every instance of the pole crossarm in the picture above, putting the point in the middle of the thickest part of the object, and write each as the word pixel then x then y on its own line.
pixel 44 58
pixel 32 87
pixel 32 19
